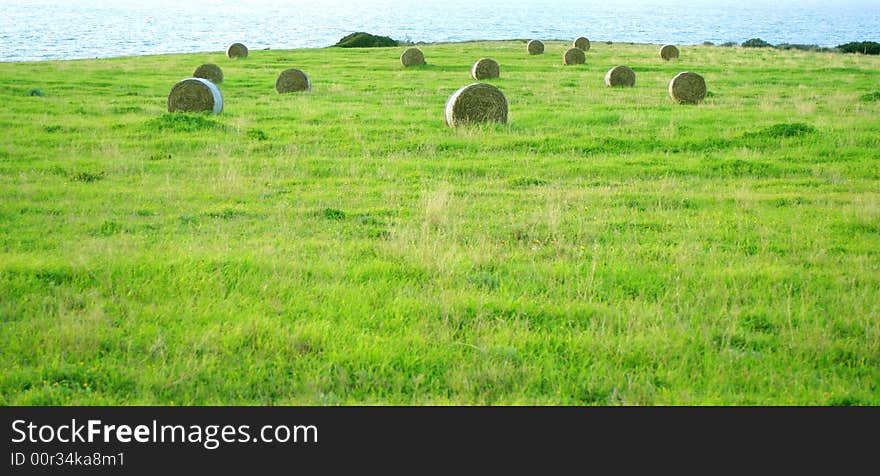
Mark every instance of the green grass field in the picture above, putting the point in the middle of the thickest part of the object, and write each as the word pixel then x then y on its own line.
pixel 345 247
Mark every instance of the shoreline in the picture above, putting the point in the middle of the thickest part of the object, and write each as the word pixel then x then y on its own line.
pixel 813 48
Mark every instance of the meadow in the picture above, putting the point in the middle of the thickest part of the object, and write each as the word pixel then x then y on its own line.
pixel 343 246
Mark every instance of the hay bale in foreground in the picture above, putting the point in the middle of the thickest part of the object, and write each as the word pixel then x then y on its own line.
pixel 237 50
pixel 412 57
pixel 687 88
pixel 195 95
pixel 620 76
pixel 535 47
pixel 292 80
pixel 574 56
pixel 669 52
pixel 485 68
pixel 476 103
pixel 209 71
pixel 582 43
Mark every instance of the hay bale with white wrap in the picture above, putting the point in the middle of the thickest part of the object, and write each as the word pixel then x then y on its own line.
pixel 195 95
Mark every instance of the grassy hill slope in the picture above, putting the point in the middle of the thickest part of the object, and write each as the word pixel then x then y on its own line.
pixel 345 247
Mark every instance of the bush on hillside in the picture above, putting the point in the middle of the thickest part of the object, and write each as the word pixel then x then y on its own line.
pixel 864 47
pixel 800 47
pixel 756 43
pixel 365 40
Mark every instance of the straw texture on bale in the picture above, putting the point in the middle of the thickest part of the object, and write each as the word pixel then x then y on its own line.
pixel 620 76
pixel 582 43
pixel 412 57
pixel 195 95
pixel 292 80
pixel 687 88
pixel 485 68
pixel 574 56
pixel 209 71
pixel 237 50
pixel 669 52
pixel 476 103
pixel 535 47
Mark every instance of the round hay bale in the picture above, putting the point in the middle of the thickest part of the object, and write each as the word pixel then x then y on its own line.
pixel 687 88
pixel 486 68
pixel 476 103
pixel 292 80
pixel 582 43
pixel 209 71
pixel 620 76
pixel 412 57
pixel 237 50
pixel 535 47
pixel 195 95
pixel 669 52
pixel 574 56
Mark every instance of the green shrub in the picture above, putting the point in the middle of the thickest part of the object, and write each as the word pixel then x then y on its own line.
pixel 870 97
pixel 87 177
pixel 784 130
pixel 745 168
pixel 35 92
pixel 257 134
pixel 527 182
pixel 756 43
pixel 864 47
pixel 801 47
pixel 108 228
pixel 183 122
pixel 365 40
pixel 332 214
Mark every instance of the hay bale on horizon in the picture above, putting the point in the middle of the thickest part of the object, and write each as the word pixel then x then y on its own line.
pixel 412 57
pixel 582 43
pixel 209 71
pixel 237 50
pixel 476 103
pixel 669 52
pixel 687 88
pixel 573 56
pixel 485 68
pixel 292 80
pixel 535 47
pixel 620 76
pixel 195 95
